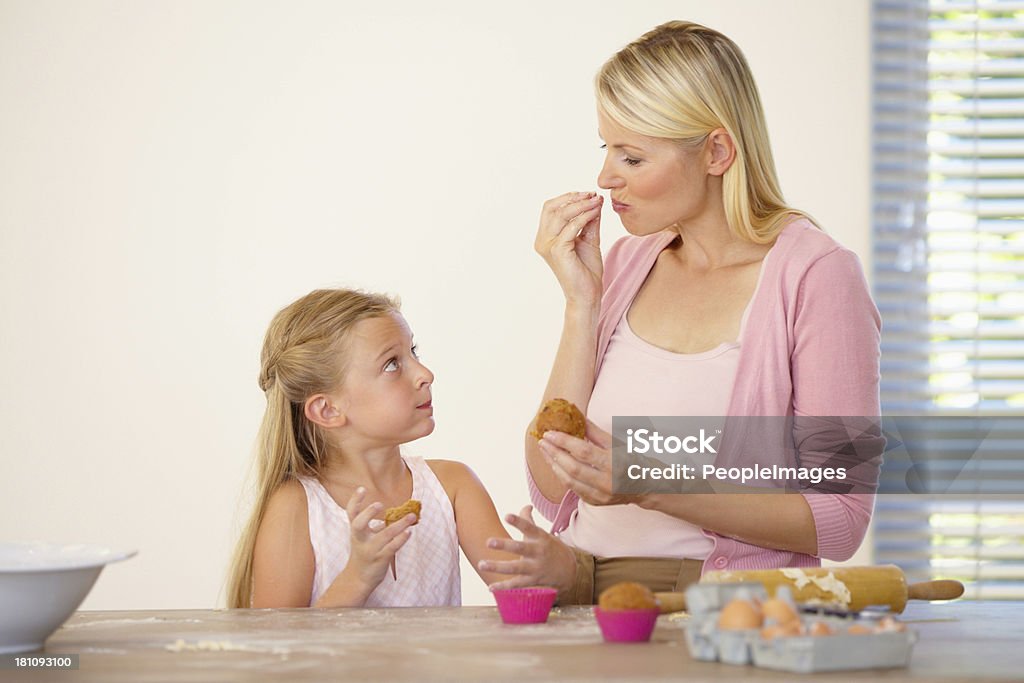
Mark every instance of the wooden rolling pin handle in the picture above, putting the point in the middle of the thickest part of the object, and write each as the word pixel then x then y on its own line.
pixel 671 602
pixel 945 589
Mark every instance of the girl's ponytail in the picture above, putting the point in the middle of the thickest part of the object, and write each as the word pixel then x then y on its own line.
pixel 277 453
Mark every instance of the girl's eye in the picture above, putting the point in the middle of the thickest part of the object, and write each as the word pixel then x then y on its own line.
pixel 415 351
pixel 392 365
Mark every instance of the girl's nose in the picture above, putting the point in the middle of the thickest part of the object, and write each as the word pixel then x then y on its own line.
pixel 425 376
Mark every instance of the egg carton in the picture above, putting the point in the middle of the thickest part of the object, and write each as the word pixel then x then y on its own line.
pixel 838 652
pixel 705 641
pixel 800 654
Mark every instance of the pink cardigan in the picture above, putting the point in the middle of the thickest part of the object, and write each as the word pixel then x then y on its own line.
pixel 810 347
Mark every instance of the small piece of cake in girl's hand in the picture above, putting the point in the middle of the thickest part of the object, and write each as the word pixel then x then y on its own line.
pixel 392 515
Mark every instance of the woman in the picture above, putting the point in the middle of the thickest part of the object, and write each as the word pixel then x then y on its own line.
pixel 721 301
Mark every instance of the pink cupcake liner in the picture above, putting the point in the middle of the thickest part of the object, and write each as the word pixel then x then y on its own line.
pixel 525 605
pixel 626 626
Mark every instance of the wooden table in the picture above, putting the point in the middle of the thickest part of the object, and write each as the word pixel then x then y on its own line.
pixel 958 641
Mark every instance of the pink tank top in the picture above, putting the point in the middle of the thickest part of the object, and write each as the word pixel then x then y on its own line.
pixel 428 563
pixel 638 378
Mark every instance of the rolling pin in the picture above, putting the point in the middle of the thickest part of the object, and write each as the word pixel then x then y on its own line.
pixel 852 588
pixel 670 602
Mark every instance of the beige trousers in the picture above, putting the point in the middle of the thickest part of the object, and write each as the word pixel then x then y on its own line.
pixel 595 574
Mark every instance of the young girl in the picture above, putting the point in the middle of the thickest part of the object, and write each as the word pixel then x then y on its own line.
pixel 344 390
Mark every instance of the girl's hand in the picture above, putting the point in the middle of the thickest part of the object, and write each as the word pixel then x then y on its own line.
pixel 372 551
pixel 569 239
pixel 543 559
pixel 584 466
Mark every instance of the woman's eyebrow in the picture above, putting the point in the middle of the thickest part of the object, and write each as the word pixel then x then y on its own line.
pixel 625 147
pixel 633 147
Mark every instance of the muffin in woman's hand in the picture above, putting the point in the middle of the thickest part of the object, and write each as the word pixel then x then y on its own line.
pixel 561 416
pixel 392 515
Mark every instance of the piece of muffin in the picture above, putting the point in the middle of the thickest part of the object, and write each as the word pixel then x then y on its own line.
pixel 561 416
pixel 392 515
pixel 627 596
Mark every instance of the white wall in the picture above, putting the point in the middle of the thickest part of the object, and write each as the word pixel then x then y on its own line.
pixel 172 173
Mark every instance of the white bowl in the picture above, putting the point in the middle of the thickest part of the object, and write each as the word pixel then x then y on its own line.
pixel 41 584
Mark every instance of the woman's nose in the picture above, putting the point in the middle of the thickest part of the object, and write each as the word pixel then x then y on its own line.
pixel 606 179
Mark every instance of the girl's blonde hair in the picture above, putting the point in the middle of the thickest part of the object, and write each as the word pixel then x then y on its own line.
pixel 302 356
pixel 681 81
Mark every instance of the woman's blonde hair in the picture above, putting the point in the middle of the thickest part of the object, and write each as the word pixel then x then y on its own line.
pixel 681 81
pixel 302 356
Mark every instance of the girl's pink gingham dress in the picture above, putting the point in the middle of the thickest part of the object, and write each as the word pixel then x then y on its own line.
pixel 428 564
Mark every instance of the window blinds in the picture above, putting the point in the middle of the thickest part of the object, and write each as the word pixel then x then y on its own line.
pixel 948 225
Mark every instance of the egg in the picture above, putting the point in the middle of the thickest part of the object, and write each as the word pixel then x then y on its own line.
pixel 739 614
pixel 786 630
pixel 858 630
pixel 778 611
pixel 820 628
pixel 889 625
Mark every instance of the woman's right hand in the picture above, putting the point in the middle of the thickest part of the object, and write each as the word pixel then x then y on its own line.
pixel 569 240
pixel 371 551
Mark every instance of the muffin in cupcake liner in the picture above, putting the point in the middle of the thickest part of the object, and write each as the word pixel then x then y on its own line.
pixel 627 625
pixel 525 605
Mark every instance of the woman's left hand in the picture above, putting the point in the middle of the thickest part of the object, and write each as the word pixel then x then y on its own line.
pixel 585 466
